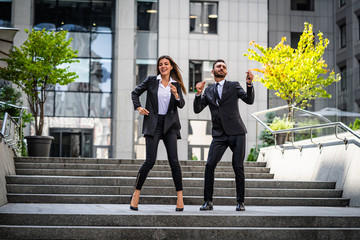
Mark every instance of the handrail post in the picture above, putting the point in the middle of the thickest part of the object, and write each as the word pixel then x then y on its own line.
pixel 311 138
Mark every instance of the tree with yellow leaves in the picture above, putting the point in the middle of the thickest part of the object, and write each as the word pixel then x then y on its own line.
pixel 297 75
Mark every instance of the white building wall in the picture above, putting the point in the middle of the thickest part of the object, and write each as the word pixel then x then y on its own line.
pixel 239 22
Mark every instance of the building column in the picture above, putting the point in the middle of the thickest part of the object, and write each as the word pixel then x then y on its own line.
pixel 123 81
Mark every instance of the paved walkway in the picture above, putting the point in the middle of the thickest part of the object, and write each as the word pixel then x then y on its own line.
pixel 145 209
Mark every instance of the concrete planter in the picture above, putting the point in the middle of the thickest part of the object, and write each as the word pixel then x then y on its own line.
pixel 281 138
pixel 39 146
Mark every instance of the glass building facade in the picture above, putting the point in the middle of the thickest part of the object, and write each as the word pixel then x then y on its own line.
pixel 90 25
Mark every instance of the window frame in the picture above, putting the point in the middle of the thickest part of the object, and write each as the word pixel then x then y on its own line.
pixel 310 8
pixel 192 79
pixel 202 17
pixel 342 32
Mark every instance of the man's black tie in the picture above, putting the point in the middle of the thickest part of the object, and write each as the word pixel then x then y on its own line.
pixel 217 97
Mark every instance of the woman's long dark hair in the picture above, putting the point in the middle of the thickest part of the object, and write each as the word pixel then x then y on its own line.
pixel 174 73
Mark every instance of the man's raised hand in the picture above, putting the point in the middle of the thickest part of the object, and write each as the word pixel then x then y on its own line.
pixel 200 87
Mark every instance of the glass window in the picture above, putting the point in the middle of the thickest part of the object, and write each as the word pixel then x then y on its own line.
pixel 295 38
pixel 147 16
pixel 49 104
pixel 101 45
pixel 199 139
pixel 302 5
pixel 145 68
pixel 342 3
pixel 74 15
pixel 81 84
pixel 203 17
pixel 100 105
pixel 342 36
pixel 358 18
pixel 5 13
pixel 343 78
pixel 146 45
pixel 199 71
pixel 80 42
pixel 70 142
pixel 71 104
pixel 100 75
pixel 101 17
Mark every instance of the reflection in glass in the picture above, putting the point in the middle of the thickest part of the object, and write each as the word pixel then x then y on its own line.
pixel 81 84
pixel 86 145
pixel 200 71
pixel 102 152
pixel 49 104
pixel 102 12
pixel 100 75
pixel 146 45
pixel 102 132
pixel 101 45
pixel 210 17
pixel 199 139
pixel 73 15
pixel 5 13
pixel 100 105
pixel 80 42
pixel 195 17
pixel 144 68
pixel 45 15
pixel 203 17
pixel 71 104
pixel 147 15
pixel 71 142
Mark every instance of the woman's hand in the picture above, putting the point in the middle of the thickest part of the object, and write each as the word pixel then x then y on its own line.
pixel 142 111
pixel 173 90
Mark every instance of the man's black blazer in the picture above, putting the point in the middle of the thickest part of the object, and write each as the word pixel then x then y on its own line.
pixel 225 117
pixel 172 122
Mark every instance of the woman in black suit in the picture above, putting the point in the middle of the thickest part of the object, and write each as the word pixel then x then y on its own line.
pixel 161 121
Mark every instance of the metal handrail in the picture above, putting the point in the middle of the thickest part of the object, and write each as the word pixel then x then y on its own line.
pixel 328 124
pixel 10 130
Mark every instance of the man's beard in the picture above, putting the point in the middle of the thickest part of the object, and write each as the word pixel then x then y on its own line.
pixel 218 75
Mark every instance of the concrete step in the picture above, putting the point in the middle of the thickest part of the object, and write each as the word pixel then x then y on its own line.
pixel 128 173
pixel 164 182
pixel 142 233
pixel 188 191
pixel 88 221
pixel 164 215
pixel 127 161
pixel 191 200
pixel 129 167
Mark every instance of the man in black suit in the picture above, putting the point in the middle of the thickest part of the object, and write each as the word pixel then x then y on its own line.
pixel 228 128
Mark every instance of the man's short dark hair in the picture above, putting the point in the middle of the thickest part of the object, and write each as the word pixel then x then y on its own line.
pixel 219 60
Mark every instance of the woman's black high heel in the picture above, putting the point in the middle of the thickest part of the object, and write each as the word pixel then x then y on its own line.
pixel 179 209
pixel 131 207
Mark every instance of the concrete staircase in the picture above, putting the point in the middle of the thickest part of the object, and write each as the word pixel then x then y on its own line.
pixel 45 194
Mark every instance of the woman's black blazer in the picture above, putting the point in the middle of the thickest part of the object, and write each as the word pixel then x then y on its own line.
pixel 172 122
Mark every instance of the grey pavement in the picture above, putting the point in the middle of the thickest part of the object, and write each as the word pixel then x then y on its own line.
pixel 191 210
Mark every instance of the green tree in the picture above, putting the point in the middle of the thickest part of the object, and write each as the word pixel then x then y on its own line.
pixel 34 67
pixel 297 75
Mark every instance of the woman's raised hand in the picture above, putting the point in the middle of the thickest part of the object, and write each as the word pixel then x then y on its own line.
pixel 173 90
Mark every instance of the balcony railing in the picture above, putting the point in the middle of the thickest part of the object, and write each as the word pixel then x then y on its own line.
pixel 297 115
pixel 10 131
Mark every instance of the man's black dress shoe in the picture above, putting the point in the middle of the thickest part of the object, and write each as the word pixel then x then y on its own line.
pixel 240 206
pixel 208 205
